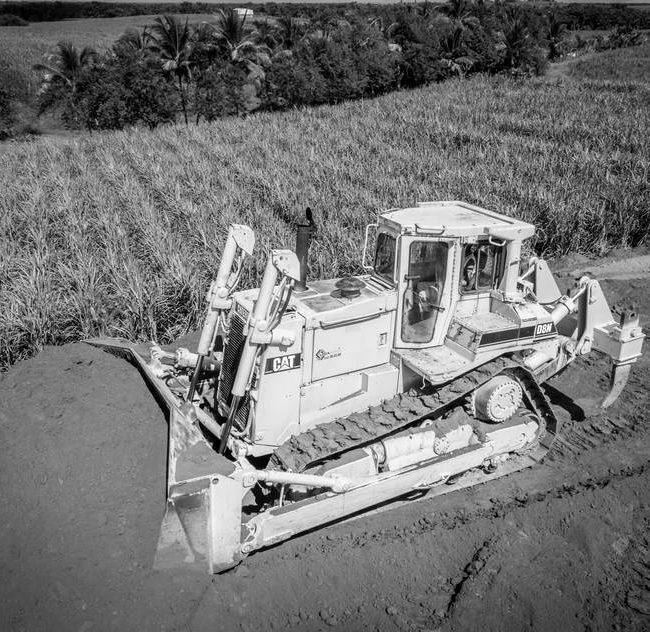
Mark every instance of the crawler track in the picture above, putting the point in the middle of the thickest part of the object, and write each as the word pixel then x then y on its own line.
pixel 359 429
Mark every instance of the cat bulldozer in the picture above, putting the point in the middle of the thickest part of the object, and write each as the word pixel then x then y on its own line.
pixel 307 402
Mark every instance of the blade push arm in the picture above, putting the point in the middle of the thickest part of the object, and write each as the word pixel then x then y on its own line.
pixel 262 325
pixel 239 244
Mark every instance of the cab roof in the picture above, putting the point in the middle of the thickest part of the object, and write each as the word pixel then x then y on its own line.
pixel 456 219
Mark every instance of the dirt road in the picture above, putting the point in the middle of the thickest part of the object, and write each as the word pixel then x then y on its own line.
pixel 563 546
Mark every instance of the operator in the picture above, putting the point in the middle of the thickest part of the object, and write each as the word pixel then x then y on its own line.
pixel 469 274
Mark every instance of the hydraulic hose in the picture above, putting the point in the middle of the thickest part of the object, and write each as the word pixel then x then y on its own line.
pixel 234 407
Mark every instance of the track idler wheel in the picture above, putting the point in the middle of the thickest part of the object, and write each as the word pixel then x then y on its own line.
pixel 497 400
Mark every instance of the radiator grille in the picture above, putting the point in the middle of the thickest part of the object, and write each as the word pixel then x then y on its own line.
pixel 231 356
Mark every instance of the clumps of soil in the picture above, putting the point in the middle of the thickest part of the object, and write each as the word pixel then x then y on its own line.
pixel 83 486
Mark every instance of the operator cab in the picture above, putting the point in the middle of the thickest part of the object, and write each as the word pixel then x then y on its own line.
pixel 444 258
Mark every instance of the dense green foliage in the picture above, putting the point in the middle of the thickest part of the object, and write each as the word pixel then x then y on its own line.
pixel 591 17
pixel 14 91
pixel 234 65
pixel 9 19
pixel 288 56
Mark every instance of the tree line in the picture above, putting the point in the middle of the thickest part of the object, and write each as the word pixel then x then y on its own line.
pixel 234 65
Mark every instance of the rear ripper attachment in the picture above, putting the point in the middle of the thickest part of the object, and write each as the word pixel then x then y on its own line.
pixel 308 402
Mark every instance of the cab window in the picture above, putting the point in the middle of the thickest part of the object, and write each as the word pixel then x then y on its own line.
pixel 425 282
pixel 481 268
pixel 385 256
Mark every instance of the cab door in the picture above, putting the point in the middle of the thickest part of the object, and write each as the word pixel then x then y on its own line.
pixel 424 292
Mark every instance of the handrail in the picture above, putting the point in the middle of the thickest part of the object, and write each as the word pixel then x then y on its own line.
pixel 349 321
pixel 365 247
pixel 494 241
pixel 421 230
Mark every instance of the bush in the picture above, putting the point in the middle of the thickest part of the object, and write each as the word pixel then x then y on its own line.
pixel 9 19
pixel 333 60
pixel 222 91
pixel 120 91
pixel 291 82
pixel 601 16
pixel 14 95
pixel 376 62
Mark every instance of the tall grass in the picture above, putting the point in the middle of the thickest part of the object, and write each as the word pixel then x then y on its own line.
pixel 614 65
pixel 119 233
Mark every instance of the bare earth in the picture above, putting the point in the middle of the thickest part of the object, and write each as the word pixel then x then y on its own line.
pixel 560 547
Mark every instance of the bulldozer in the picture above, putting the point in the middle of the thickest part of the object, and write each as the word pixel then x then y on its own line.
pixel 307 402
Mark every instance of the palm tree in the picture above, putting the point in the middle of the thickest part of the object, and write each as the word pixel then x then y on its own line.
pixel 291 31
pixel 516 38
pixel 425 9
pixel 241 41
pixel 64 65
pixel 204 45
pixel 138 41
pixel 267 33
pixel 451 45
pixel 458 9
pixel 241 44
pixel 173 42
pixel 555 30
pixel 230 28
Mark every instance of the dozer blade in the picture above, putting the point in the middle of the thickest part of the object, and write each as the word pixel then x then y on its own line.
pixel 202 521
pixel 617 381
pixel 119 347
pixel 202 525
pixel 173 549
pixel 199 507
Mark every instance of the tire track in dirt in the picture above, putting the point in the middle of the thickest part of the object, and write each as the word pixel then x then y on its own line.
pixel 609 449
pixel 519 490
pixel 638 596
pixel 601 451
pixel 461 539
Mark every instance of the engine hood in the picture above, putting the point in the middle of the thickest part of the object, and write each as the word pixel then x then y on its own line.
pixel 322 305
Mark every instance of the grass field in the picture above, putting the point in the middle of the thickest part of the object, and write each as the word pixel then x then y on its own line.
pixel 615 65
pixel 119 233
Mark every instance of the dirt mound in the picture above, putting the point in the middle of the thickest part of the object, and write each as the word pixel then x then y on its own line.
pixel 82 471
pixel 562 546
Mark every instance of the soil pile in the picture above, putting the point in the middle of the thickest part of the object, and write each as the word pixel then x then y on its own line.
pixel 82 470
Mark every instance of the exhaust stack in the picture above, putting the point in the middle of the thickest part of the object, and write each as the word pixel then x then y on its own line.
pixel 304 235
